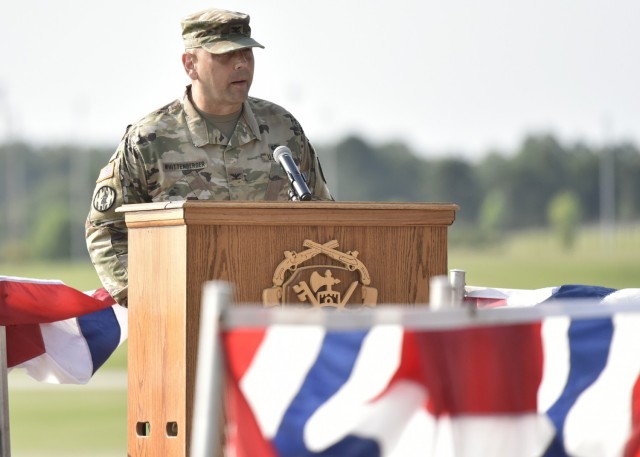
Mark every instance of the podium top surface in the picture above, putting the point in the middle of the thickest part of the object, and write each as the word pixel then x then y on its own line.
pixel 199 212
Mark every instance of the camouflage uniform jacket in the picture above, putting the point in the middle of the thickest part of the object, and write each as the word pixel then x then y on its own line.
pixel 171 155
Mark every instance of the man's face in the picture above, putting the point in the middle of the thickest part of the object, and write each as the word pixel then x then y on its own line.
pixel 225 79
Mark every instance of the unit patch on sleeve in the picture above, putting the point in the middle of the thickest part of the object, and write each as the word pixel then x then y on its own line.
pixel 104 199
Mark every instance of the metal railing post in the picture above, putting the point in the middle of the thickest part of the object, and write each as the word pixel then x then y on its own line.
pixel 5 432
pixel 457 278
pixel 206 432
pixel 439 293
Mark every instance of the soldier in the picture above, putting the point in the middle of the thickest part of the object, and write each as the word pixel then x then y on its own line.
pixel 214 143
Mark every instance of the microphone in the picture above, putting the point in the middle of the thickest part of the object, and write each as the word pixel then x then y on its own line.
pixel 301 191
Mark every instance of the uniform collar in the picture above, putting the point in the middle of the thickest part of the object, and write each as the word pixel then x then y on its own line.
pixel 195 123
pixel 253 131
pixel 198 127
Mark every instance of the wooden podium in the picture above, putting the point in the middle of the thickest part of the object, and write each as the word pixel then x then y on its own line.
pixel 314 254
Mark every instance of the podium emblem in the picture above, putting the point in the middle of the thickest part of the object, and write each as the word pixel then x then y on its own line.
pixel 342 284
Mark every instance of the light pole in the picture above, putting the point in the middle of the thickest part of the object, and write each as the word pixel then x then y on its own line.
pixel 607 189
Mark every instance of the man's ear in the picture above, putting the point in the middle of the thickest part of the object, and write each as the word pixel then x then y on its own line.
pixel 189 63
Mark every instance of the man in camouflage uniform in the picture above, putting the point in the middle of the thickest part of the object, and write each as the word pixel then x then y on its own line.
pixel 215 143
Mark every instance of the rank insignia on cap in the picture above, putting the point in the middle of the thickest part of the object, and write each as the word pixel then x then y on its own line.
pixel 104 199
pixel 106 172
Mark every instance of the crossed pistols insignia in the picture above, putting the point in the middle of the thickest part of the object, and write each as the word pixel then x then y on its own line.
pixel 315 285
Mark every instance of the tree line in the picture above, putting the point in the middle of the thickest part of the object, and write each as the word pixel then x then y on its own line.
pixel 543 183
pixel 45 192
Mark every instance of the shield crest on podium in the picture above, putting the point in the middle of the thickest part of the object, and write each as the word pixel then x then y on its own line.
pixel 342 283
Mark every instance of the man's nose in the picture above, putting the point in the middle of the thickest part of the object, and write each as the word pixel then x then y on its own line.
pixel 240 58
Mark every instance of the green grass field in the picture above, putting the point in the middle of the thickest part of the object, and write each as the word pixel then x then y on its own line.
pixel 59 421
pixel 534 259
pixel 90 421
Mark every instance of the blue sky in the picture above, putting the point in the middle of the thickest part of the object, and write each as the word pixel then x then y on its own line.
pixel 446 77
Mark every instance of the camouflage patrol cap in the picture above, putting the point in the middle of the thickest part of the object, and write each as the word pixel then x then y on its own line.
pixel 218 31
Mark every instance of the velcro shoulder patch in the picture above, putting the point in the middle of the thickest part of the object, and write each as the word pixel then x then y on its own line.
pixel 106 172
